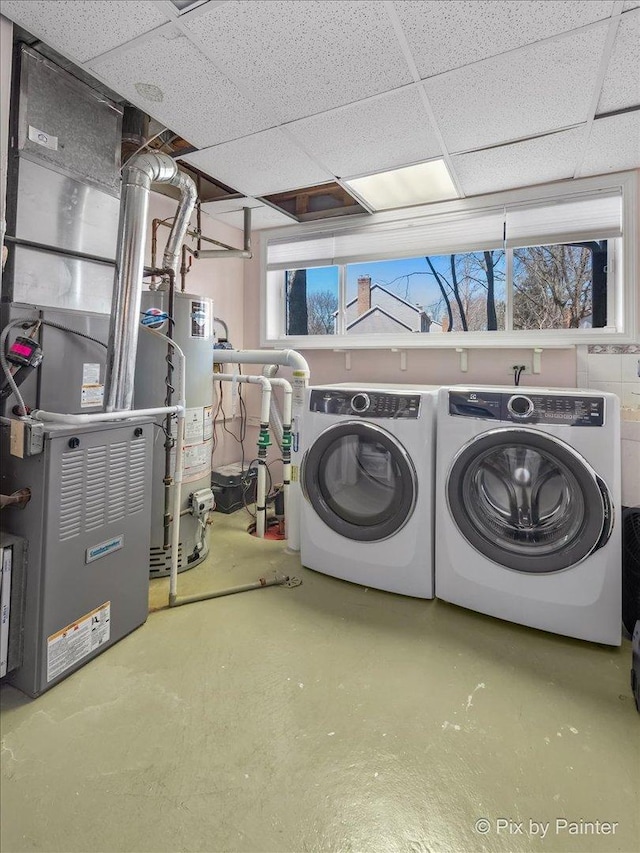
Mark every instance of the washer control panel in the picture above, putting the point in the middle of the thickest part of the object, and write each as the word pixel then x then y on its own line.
pixel 366 404
pixel 564 409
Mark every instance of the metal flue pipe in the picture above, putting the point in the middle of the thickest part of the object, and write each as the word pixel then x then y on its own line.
pixel 138 175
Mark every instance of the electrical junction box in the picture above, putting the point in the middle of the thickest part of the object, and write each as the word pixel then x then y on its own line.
pixel 202 502
pixel 233 486
pixel 27 438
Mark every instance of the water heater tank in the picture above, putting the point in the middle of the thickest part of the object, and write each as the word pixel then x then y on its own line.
pixel 193 332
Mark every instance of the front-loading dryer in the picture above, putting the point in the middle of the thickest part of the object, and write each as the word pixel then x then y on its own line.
pixel 367 477
pixel 527 507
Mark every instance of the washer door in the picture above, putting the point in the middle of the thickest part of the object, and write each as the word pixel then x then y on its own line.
pixel 528 501
pixel 360 481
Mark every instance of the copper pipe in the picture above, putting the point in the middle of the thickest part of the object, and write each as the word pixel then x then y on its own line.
pixel 185 268
pixel 195 234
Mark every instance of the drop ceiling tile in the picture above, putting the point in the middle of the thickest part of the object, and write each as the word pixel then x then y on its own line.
pixel 380 133
pixel 82 30
pixel 449 35
pixel 261 217
pixel 170 79
pixel 535 161
pixel 535 90
pixel 230 205
pixel 621 87
pixel 265 163
pixel 630 4
pixel 614 145
pixel 313 56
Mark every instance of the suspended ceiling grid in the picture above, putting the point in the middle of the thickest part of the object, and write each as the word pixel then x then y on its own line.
pixel 281 95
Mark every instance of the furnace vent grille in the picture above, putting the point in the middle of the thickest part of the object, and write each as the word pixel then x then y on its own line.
pixel 95 500
pixel 118 471
pixel 71 487
pixel 101 485
pixel 137 459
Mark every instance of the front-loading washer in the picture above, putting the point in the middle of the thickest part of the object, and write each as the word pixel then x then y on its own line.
pixel 528 507
pixel 367 476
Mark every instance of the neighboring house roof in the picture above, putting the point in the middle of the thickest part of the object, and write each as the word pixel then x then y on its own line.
pixel 395 306
pixel 388 293
pixel 388 312
pixel 376 319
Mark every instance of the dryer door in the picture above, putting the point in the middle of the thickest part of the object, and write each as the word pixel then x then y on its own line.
pixel 360 481
pixel 528 501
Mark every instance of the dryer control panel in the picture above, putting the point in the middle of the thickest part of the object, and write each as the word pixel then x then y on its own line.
pixel 563 409
pixel 368 404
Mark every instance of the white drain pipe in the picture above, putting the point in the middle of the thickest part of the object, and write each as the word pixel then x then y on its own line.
pixel 263 440
pixel 101 417
pixel 290 358
pixel 265 412
pixel 285 444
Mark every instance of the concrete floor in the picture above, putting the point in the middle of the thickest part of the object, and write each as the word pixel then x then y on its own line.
pixel 323 718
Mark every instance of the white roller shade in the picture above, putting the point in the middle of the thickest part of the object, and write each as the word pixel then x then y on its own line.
pixel 314 250
pixel 429 235
pixel 585 217
pixel 593 217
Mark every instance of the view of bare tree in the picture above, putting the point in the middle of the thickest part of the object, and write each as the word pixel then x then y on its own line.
pixel 321 307
pixel 472 284
pixel 552 287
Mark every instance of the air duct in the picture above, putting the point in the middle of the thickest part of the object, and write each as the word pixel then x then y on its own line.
pixel 138 175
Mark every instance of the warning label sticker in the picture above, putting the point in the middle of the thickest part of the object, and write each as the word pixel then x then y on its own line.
pixel 92 390
pixel 197 461
pixel 92 395
pixel 70 645
pixel 193 425
pixel 207 421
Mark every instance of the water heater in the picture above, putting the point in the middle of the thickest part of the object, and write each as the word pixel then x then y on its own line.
pixel 192 329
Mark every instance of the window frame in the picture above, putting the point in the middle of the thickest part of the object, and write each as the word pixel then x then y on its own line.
pixel 623 297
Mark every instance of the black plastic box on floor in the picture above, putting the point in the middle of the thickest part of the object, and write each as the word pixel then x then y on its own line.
pixel 233 487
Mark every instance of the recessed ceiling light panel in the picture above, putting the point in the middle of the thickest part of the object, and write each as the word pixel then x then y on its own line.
pixel 419 184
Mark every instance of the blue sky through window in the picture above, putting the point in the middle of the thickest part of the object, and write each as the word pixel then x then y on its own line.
pixel 409 278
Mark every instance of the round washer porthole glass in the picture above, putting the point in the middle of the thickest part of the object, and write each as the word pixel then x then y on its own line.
pixel 359 479
pixel 524 499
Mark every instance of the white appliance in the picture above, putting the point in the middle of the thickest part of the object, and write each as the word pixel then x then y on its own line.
pixel 528 507
pixel 367 476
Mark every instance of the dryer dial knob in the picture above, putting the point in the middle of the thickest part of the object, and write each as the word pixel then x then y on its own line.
pixel 360 403
pixel 520 406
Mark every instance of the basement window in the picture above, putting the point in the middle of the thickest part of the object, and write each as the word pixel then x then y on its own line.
pixel 543 266
pixel 311 300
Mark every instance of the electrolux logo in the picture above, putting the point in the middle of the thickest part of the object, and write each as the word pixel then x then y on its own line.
pixel 104 548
